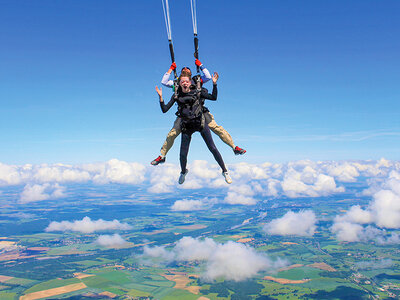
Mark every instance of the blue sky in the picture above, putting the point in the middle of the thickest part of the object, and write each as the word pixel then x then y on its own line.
pixel 315 79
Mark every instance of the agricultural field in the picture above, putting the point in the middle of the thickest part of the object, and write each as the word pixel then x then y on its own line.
pixel 60 265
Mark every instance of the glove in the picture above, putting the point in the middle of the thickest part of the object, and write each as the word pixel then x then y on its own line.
pixel 198 63
pixel 173 66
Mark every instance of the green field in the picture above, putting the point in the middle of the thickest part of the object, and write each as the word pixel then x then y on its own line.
pixel 55 283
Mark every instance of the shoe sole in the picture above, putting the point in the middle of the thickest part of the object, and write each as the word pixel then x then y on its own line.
pixel 240 153
pixel 184 177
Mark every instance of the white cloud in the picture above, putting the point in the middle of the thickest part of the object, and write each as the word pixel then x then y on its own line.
pixel 86 225
pixel 201 169
pixel 158 252
pixel 9 175
pixel 163 179
pixel 383 211
pixel 351 232
pixel 187 205
pixel 344 172
pixel 236 261
pixel 110 240
pixel 347 231
pixel 232 261
pixel 300 224
pixel 250 171
pixel 60 173
pixel 38 192
pixel 294 179
pixel 190 249
pixel 191 184
pixel 240 194
pixel 118 171
pixel 386 205
pixel 308 183
pixel 356 215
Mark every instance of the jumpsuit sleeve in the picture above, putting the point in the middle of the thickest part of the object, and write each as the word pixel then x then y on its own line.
pixel 166 107
pixel 165 81
pixel 207 76
pixel 213 96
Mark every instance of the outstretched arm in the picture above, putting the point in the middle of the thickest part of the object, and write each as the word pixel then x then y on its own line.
pixel 164 107
pixel 165 81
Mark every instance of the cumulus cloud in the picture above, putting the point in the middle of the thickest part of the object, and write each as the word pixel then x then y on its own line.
pixel 110 240
pixel 299 224
pixel 347 231
pixel 232 261
pixel 40 192
pixel 118 171
pixel 386 203
pixel 246 171
pixel 190 249
pixel 158 252
pixel 240 194
pixel 351 232
pixel 202 169
pixel 86 225
pixel 163 179
pixel 236 261
pixel 113 170
pixel 187 205
pixel 60 173
pixel 344 171
pixel 356 215
pixel 10 175
pixel 308 183
pixel 383 211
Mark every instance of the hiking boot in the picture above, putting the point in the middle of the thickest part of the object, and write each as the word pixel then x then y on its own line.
pixel 182 177
pixel 239 151
pixel 158 160
pixel 228 178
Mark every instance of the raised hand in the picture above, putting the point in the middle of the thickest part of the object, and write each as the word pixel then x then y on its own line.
pixel 159 92
pixel 215 77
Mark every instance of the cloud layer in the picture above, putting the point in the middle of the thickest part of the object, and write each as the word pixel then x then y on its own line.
pixel 252 182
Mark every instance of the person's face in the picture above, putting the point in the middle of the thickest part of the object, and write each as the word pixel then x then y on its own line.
pixel 185 83
pixel 187 70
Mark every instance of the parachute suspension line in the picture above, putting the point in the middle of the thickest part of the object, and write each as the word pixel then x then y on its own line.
pixel 194 18
pixel 196 40
pixel 167 19
pixel 165 6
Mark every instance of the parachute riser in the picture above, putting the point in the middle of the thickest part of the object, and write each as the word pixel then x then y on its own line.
pixel 175 86
pixel 171 52
pixel 196 51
